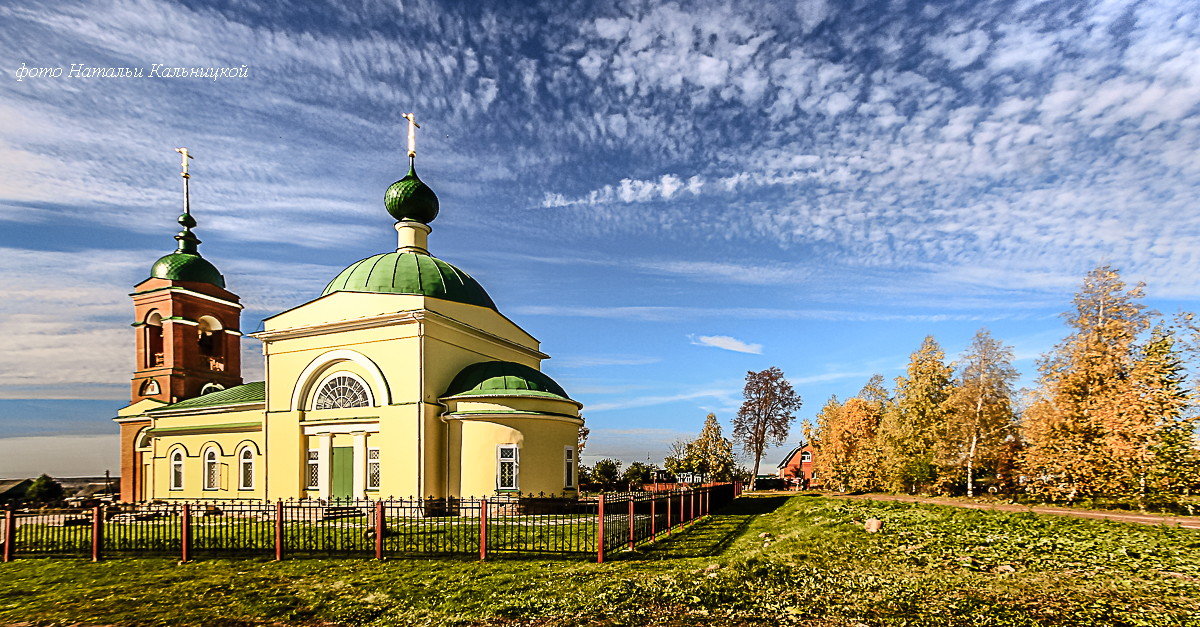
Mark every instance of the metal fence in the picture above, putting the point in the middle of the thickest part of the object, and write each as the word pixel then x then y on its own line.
pixel 516 524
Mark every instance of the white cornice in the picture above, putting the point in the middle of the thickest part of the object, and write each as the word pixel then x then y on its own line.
pixel 185 290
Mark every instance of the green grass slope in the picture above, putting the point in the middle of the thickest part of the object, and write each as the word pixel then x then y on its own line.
pixel 930 565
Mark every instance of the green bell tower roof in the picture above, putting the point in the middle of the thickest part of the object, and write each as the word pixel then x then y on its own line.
pixel 186 264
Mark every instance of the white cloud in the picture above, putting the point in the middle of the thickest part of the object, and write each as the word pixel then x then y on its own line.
pixel 727 343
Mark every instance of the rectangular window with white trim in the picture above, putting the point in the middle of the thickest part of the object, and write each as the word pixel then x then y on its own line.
pixel 507 467
pixel 569 460
pixel 314 470
pixel 373 469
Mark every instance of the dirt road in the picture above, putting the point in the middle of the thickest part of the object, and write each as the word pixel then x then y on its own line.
pixel 1187 522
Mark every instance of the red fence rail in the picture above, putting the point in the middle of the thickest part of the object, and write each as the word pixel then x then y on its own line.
pixel 518 524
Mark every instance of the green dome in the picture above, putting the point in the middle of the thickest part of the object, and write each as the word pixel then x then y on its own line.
pixel 411 199
pixel 410 273
pixel 504 378
pixel 182 266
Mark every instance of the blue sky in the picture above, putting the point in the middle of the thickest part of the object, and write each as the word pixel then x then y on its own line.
pixel 666 194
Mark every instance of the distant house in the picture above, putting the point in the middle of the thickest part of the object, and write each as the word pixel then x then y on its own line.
pixel 797 468
pixel 13 489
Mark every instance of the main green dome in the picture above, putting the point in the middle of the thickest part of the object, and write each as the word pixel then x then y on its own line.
pixel 504 378
pixel 410 273
pixel 411 199
pixel 182 266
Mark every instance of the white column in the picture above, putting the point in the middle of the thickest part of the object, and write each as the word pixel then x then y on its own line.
pixel 360 463
pixel 325 458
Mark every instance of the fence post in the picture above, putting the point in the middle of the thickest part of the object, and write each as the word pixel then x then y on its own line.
pixel 380 529
pixel 631 519
pixel 279 530
pixel 10 534
pixel 669 525
pixel 185 534
pixel 600 529
pixel 483 512
pixel 653 521
pixel 97 532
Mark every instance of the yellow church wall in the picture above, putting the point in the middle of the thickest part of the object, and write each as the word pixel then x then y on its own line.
pixel 394 350
pixel 285 464
pixel 541 453
pixel 449 351
pixel 195 445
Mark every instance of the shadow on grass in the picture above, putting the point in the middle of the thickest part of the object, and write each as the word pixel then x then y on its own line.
pixel 713 535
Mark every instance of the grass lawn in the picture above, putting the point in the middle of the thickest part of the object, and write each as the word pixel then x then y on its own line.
pixel 930 565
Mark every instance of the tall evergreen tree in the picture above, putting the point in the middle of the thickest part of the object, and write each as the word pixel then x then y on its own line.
pixel 712 452
pixel 979 412
pixel 910 429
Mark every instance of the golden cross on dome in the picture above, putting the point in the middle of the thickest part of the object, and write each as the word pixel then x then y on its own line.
pixel 185 155
pixel 412 133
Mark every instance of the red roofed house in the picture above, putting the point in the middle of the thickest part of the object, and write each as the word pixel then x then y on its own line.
pixel 797 468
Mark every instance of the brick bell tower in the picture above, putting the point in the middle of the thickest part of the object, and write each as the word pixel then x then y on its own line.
pixel 188 329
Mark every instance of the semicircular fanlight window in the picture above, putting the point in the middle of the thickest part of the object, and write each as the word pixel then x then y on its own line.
pixel 340 392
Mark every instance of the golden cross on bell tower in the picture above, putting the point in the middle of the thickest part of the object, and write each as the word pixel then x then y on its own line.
pixel 184 157
pixel 412 133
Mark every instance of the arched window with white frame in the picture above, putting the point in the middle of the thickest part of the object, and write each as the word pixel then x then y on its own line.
pixel 342 390
pixel 177 469
pixel 246 468
pixel 212 470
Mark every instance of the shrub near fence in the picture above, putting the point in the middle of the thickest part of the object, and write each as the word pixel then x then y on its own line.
pixel 520 525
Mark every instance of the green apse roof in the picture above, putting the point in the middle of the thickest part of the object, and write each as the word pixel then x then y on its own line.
pixel 253 392
pixel 504 378
pixel 410 273
pixel 411 199
pixel 180 266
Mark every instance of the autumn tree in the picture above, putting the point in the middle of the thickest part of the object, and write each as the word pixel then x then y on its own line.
pixel 909 432
pixel 847 454
pixel 979 418
pixel 1171 464
pixel 831 450
pixel 584 432
pixel 766 413
pixel 1081 432
pixel 709 455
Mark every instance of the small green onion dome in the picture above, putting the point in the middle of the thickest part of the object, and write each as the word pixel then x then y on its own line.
pixel 504 378
pixel 410 273
pixel 186 264
pixel 411 199
pixel 181 266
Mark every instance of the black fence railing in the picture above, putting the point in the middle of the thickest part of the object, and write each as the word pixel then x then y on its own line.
pixel 517 524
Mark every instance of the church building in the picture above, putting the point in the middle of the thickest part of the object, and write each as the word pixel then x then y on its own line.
pixel 402 378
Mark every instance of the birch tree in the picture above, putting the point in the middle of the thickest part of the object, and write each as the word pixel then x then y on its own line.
pixel 979 411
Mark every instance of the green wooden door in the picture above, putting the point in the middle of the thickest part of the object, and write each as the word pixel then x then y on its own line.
pixel 342 484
